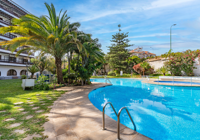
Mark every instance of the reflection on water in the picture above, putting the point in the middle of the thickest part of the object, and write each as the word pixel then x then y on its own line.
pixel 160 112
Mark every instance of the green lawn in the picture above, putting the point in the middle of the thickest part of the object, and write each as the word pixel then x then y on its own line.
pixel 11 92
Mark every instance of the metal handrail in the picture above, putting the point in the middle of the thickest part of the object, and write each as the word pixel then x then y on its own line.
pixel 104 113
pixel 118 118
pixel 106 79
pixel 118 121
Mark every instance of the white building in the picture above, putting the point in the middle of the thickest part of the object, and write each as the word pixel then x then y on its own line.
pixel 140 53
pixel 11 66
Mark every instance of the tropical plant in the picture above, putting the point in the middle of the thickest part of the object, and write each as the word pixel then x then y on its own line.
pixel 180 62
pixel 33 69
pixel 48 34
pixel 41 62
pixel 145 66
pixel 137 68
pixel 163 70
pixel 52 66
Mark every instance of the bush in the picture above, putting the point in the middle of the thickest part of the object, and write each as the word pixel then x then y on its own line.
pixel 71 76
pixel 124 75
pixel 42 85
pixel 111 73
pixel 23 76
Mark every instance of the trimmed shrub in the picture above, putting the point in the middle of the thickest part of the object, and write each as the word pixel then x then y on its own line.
pixel 23 76
pixel 111 73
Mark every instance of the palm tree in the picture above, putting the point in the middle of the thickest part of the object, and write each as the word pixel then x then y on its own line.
pixel 32 69
pixel 163 70
pixel 50 34
pixel 144 66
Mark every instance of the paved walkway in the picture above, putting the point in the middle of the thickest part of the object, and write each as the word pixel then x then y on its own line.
pixel 73 117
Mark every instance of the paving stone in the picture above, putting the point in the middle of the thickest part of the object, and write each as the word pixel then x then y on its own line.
pixel 29 102
pixel 31 105
pixel 43 104
pixel 35 108
pixel 18 103
pixel 30 137
pixel 14 125
pixel 28 117
pixel 19 131
pixel 37 94
pixel 28 98
pixel 2 111
pixel 39 111
pixel 50 107
pixel 21 109
pixel 10 119
pixel 24 112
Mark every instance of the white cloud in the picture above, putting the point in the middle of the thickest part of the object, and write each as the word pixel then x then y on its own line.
pixel 124 7
pixel 165 3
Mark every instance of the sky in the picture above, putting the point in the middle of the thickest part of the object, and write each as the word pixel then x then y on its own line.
pixel 147 21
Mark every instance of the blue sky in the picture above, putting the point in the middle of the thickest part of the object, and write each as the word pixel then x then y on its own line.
pixel 147 21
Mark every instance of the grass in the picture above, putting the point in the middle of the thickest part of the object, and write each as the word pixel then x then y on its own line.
pixel 11 92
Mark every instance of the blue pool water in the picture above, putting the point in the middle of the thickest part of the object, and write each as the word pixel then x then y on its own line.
pixel 159 112
pixel 178 82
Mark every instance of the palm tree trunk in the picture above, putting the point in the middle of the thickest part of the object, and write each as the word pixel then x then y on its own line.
pixel 59 70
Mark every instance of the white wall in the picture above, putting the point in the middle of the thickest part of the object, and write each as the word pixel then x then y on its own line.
pixel 160 63
pixel 197 65
pixel 4 70
pixel 156 64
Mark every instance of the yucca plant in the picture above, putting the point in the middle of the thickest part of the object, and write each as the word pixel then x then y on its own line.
pixel 52 34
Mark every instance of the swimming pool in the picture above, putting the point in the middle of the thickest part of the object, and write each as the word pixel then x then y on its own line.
pixel 178 82
pixel 159 112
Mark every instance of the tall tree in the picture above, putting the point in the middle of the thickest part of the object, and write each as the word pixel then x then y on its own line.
pixel 118 52
pixel 49 34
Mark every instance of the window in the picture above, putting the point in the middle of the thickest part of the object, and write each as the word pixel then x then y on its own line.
pixel 12 72
pixel 25 61
pixel 12 59
pixel 23 72
pixel 0 73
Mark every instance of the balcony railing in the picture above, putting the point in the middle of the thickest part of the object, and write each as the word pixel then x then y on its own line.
pixel 9 35
pixel 7 22
pixel 24 52
pixel 12 8
pixel 15 61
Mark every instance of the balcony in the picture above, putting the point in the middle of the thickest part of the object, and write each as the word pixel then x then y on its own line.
pixel 23 61
pixel 7 22
pixel 12 8
pixel 9 35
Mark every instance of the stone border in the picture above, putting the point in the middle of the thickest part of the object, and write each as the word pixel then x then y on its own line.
pixel 152 81
pixel 74 117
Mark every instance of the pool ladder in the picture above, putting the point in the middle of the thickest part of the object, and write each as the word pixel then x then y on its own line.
pixel 107 79
pixel 118 118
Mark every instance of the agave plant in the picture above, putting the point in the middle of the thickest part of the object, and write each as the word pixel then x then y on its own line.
pixel 52 34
